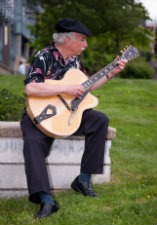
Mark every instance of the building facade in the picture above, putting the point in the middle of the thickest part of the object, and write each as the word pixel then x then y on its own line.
pixel 15 36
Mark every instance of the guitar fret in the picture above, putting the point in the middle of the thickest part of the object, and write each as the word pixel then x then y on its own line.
pixel 87 84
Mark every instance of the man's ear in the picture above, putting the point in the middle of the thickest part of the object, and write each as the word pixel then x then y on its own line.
pixel 68 39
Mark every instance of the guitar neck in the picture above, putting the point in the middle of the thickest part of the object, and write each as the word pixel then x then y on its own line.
pixel 99 75
pixel 129 54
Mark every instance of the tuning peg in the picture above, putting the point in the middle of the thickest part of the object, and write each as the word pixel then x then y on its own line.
pixel 122 51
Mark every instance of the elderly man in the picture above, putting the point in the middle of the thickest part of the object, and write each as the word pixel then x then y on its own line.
pixel 52 63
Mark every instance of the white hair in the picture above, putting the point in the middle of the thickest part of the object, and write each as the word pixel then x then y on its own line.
pixel 59 38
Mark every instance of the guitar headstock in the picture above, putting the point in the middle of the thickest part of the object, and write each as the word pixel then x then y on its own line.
pixel 129 53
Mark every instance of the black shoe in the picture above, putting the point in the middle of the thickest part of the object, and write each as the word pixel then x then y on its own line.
pixel 46 210
pixel 83 188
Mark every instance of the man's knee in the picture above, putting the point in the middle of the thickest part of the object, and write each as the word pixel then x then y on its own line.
pixel 103 118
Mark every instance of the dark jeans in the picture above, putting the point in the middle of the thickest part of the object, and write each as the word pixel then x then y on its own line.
pixel 37 146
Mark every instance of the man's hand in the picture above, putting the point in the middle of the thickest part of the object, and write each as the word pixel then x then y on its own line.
pixel 76 90
pixel 120 66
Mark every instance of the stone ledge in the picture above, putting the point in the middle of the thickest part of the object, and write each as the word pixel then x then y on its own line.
pixel 65 158
pixel 12 129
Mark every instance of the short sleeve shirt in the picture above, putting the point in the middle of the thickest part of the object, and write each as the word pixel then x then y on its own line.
pixel 49 64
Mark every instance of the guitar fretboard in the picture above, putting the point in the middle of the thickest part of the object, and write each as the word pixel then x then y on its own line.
pixel 100 74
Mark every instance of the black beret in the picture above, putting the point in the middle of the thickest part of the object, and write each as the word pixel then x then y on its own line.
pixel 70 25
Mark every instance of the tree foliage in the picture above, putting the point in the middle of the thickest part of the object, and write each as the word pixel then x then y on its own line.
pixel 114 23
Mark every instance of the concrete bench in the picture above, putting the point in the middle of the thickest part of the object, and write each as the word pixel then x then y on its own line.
pixel 63 163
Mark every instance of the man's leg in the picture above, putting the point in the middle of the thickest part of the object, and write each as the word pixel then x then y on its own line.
pixel 94 126
pixel 36 149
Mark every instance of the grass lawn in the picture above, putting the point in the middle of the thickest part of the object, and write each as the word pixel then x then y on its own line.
pixel 131 196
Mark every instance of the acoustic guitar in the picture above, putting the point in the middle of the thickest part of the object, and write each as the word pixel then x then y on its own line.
pixel 60 116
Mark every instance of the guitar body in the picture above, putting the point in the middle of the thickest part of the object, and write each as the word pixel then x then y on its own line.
pixel 65 122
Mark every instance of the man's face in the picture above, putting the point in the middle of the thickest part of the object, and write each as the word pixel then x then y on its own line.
pixel 77 44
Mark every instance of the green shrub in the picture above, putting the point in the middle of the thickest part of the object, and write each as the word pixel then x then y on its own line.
pixel 11 106
pixel 138 69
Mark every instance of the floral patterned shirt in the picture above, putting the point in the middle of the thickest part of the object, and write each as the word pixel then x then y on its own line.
pixel 49 64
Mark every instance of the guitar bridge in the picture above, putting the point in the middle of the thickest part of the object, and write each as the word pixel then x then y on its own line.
pixel 44 115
